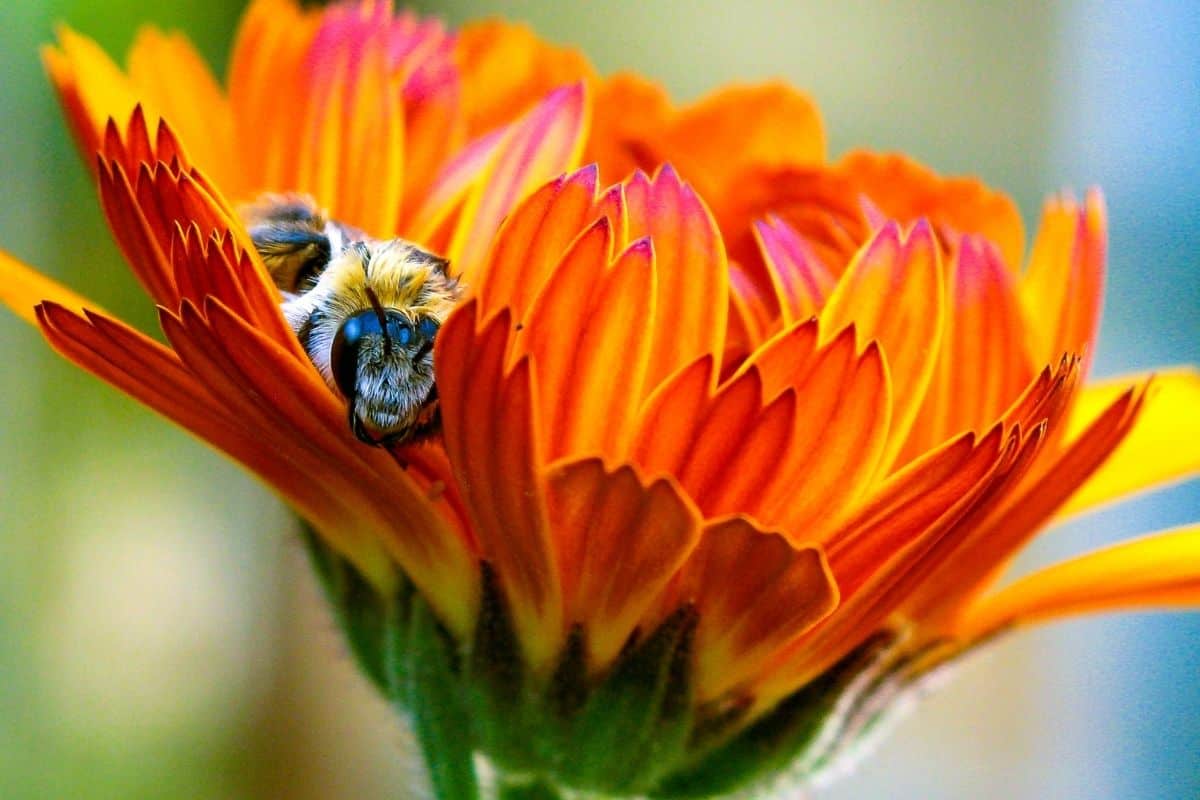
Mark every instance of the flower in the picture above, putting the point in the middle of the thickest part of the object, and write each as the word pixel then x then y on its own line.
pixel 734 450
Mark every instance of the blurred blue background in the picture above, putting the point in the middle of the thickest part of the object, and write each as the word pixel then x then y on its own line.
pixel 159 637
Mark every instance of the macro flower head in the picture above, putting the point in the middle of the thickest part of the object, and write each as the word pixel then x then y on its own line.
pixel 736 444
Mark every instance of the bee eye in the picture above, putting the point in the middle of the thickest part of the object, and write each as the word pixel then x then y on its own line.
pixel 343 354
pixel 400 331
pixel 428 327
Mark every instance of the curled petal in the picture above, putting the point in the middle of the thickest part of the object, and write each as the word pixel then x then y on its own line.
pixel 533 240
pixel 802 284
pixel 753 591
pixel 620 540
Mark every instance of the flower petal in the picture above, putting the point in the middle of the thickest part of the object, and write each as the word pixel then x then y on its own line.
pixel 843 404
pixel 1161 570
pixel 692 295
pixel 533 240
pixel 620 540
pixel 174 79
pixel 905 190
pixel 893 292
pixel 802 284
pixel 1016 518
pixel 753 591
pixel 626 106
pixel 22 288
pixel 91 88
pixel 489 417
pixel 507 68
pixel 1163 445
pixel 905 533
pixel 544 143
pixel 586 327
pixel 716 445
pixel 984 365
pixel 1063 287
pixel 243 367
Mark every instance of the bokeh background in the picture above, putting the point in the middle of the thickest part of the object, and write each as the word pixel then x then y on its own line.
pixel 159 636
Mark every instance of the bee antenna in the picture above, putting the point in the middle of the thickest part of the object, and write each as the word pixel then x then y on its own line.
pixel 378 309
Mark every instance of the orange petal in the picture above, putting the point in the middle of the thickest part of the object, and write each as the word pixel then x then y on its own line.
pixel 216 268
pixel 905 507
pixel 533 240
pixel 785 358
pixel 22 288
pixel 154 375
pixel 670 416
pixel 1162 446
pixel 893 292
pixel 627 108
pixel 802 284
pixel 620 540
pixel 266 91
pixel 692 296
pixel 242 367
pixel 906 533
pixel 753 592
pixel 173 78
pixel 1162 570
pixel 587 327
pixel 506 69
pixel 491 430
pixel 769 125
pixel 982 557
pixel 91 88
pixel 905 190
pixel 141 241
pixel 984 365
pixel 427 222
pixel 721 447
pixel 842 415
pixel 1062 289
pixel 544 143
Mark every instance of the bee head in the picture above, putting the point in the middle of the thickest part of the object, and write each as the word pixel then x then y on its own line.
pixel 369 325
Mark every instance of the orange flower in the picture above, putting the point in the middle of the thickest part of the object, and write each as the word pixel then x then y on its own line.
pixel 727 466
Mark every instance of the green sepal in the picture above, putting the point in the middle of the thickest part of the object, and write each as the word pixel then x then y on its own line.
pixel 794 739
pixel 424 674
pixel 498 684
pixel 635 722
pixel 361 613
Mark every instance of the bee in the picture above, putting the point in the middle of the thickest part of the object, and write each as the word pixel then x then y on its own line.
pixel 365 310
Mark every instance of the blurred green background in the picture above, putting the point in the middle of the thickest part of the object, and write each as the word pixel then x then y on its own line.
pixel 159 636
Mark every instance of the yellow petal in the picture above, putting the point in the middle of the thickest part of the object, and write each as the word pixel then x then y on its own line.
pixel 1164 444
pixel 1162 570
pixel 22 288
